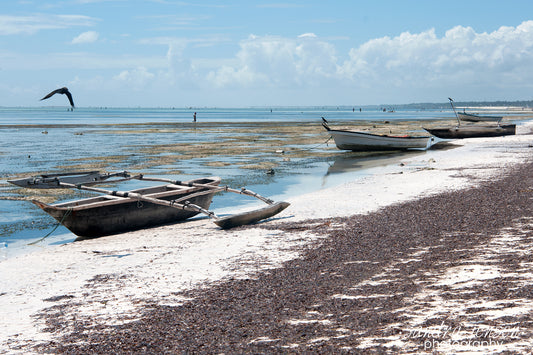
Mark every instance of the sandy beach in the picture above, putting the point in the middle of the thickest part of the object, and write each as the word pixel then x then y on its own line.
pixel 317 278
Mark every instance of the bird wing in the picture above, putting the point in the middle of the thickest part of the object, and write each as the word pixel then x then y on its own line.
pixel 50 94
pixel 69 95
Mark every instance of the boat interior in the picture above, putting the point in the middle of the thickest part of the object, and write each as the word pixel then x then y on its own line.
pixel 162 192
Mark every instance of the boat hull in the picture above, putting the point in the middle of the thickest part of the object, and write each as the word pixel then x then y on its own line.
pixel 473 131
pixel 108 215
pixel 359 141
pixel 468 117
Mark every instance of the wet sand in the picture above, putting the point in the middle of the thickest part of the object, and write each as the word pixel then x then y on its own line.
pixel 435 248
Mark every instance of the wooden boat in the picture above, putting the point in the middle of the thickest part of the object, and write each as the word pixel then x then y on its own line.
pixel 361 141
pixel 108 214
pixel 470 117
pixel 122 211
pixel 473 131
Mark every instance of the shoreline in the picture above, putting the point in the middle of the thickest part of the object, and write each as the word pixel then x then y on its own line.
pixel 458 284
pixel 111 280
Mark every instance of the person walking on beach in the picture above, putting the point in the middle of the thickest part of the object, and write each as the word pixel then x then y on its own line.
pixel 194 117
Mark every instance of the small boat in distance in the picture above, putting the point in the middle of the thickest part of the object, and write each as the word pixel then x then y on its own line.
pixel 470 117
pixel 361 141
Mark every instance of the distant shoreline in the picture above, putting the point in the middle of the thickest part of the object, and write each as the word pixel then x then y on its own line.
pixel 499 104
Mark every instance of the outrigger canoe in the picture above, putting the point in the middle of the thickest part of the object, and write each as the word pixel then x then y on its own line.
pixel 122 211
pixel 362 141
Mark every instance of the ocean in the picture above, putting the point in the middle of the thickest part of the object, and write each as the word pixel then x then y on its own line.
pixel 239 145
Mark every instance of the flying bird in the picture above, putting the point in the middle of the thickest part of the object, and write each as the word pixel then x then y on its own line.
pixel 61 91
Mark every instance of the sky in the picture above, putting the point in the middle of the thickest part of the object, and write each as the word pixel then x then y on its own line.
pixel 237 53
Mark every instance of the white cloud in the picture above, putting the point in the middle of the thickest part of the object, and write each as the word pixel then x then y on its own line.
pixel 136 78
pixel 309 35
pixel 85 37
pixel 12 25
pixel 277 61
pixel 427 58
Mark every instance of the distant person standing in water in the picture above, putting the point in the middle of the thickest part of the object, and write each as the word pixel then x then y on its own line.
pixel 194 117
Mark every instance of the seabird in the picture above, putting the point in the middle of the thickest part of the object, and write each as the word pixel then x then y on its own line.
pixel 61 91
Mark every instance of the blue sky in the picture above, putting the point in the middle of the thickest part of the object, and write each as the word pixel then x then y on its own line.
pixel 166 53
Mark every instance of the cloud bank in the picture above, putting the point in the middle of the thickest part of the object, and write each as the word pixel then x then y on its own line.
pixel 405 60
pixel 308 70
pixel 302 70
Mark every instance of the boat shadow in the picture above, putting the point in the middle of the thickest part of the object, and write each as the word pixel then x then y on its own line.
pixel 358 161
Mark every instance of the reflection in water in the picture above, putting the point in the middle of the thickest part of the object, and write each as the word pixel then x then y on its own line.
pixel 354 161
pixel 353 164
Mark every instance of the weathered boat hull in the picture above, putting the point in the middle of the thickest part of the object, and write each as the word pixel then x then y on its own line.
pixel 108 215
pixel 469 117
pixel 472 131
pixel 360 141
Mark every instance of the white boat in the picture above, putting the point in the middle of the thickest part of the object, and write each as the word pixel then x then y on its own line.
pixel 470 117
pixel 361 141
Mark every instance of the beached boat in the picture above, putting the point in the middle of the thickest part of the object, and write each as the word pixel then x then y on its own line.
pixel 122 211
pixel 470 117
pixel 361 141
pixel 108 214
pixel 473 131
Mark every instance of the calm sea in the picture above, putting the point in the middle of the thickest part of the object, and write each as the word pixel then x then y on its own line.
pixel 48 138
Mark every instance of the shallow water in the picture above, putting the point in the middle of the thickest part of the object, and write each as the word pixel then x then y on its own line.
pixel 239 145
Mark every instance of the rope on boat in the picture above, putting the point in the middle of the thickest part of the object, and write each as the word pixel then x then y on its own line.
pixel 69 211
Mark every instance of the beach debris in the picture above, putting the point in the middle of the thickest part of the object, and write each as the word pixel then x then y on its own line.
pixel 280 151
pixel 63 91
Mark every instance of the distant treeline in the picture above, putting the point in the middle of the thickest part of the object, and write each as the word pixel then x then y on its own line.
pixel 446 105
pixel 419 106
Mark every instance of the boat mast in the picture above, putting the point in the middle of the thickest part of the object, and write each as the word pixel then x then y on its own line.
pixel 451 103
